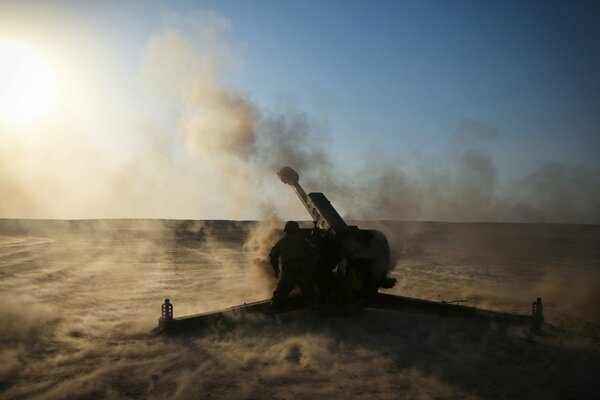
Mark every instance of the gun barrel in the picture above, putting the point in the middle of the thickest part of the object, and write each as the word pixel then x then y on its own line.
pixel 290 177
pixel 317 205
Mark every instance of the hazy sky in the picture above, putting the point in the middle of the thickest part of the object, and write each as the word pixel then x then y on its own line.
pixel 413 86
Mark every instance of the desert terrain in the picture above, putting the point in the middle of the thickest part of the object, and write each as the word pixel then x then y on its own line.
pixel 80 299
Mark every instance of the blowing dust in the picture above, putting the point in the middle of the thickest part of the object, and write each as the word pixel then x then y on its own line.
pixel 261 238
pixel 81 297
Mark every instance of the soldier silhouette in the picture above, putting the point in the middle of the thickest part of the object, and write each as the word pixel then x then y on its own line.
pixel 297 258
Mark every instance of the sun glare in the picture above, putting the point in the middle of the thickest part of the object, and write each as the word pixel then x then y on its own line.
pixel 28 86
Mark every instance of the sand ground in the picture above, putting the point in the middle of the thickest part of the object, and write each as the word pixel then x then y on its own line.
pixel 79 299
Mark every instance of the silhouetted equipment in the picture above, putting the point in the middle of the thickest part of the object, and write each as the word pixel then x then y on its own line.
pixel 361 256
pixel 353 265
pixel 166 316
pixel 537 312
pixel 227 317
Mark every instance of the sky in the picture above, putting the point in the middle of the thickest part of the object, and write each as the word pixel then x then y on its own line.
pixel 433 110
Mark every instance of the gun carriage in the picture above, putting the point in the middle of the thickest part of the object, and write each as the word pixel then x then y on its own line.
pixel 351 266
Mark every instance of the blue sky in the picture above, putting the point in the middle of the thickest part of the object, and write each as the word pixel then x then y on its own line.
pixel 412 82
pixel 401 75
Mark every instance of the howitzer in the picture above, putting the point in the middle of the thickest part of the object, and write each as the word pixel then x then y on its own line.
pixel 360 257
pixel 352 264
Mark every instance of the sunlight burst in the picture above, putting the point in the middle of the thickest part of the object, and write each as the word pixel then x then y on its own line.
pixel 28 86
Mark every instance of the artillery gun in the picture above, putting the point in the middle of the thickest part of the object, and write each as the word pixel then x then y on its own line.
pixel 351 268
pixel 352 263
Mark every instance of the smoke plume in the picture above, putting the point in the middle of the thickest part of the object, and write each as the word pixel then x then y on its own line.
pixel 198 147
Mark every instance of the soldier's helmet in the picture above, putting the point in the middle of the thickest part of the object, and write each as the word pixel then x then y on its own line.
pixel 291 227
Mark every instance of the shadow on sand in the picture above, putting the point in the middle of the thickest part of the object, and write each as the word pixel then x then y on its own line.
pixel 475 358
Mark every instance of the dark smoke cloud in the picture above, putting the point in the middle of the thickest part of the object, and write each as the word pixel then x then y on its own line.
pixel 472 190
pixel 563 192
pixel 238 145
pixel 288 138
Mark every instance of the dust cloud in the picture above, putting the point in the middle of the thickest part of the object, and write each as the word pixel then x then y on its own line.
pixel 261 238
pixel 81 297
pixel 195 146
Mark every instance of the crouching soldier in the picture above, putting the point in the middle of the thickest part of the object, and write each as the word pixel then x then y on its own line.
pixel 297 258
